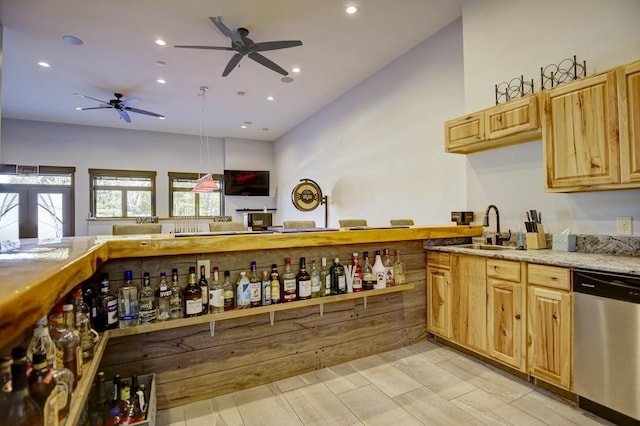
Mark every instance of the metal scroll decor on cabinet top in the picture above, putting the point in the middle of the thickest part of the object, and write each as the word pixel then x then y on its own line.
pixel 567 70
pixel 515 88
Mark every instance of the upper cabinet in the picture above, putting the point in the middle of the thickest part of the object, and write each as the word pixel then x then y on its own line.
pixel 629 111
pixel 505 124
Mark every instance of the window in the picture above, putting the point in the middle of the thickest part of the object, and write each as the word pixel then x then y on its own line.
pixel 122 193
pixel 183 202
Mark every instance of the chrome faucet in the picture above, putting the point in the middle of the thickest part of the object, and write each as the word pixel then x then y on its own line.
pixel 499 237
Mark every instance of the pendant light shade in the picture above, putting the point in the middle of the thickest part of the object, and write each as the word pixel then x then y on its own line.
pixel 206 184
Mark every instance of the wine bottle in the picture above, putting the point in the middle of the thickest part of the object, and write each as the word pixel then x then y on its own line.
pixel 192 296
pixel 303 281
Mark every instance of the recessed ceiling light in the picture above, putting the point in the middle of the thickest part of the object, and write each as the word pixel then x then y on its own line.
pixel 44 64
pixel 78 109
pixel 161 81
pixel 244 126
pixel 270 98
pixel 265 129
pixel 248 122
pixel 72 40
pixel 162 117
pixel 351 10
pixel 286 79
pixel 295 69
pixel 160 42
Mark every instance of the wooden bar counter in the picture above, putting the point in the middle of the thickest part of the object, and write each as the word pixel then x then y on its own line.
pixel 200 357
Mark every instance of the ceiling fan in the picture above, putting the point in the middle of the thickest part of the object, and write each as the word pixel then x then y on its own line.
pixel 121 106
pixel 244 46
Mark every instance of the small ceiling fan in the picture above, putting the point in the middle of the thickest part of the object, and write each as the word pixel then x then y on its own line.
pixel 121 106
pixel 244 46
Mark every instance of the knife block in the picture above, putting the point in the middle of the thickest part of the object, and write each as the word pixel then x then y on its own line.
pixel 537 240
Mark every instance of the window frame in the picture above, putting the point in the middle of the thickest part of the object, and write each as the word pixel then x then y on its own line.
pixel 194 176
pixel 107 173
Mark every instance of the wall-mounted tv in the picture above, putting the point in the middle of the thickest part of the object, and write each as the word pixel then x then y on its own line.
pixel 246 182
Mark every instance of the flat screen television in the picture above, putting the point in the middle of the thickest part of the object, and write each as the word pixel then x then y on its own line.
pixel 246 182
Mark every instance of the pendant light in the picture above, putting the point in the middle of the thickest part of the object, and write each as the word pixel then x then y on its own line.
pixel 205 183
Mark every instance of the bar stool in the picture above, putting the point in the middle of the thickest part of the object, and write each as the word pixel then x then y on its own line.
pixel 401 222
pixel 226 226
pixel 139 228
pixel 298 224
pixel 348 223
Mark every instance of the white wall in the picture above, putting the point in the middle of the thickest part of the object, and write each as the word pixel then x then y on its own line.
pixel 506 38
pixel 378 150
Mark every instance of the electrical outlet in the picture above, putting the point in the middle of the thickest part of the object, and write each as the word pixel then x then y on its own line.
pixel 625 224
pixel 207 267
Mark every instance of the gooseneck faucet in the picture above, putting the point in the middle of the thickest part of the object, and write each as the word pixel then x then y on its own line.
pixel 485 223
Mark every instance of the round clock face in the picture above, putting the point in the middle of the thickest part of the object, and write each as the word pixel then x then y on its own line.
pixel 306 196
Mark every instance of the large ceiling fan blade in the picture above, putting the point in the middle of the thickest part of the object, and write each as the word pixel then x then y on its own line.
pixel 235 59
pixel 100 107
pixel 274 45
pixel 141 111
pixel 124 115
pixel 128 102
pixel 233 35
pixel 89 97
pixel 268 63
pixel 205 47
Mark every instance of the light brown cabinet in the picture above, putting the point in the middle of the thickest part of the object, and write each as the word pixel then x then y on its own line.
pixel 628 82
pixel 469 301
pixel 549 325
pixel 505 124
pixel 438 294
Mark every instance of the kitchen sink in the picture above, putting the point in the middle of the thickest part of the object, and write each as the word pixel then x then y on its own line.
pixel 484 247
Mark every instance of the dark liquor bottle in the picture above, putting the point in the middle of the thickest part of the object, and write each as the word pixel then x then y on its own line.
pixel 255 286
pixel 102 400
pixel 41 386
pixel 275 284
pixel 107 315
pixel 90 298
pixel 338 279
pixel 288 279
pixel 227 288
pixel 357 274
pixel 192 296
pixel 369 279
pixel 23 409
pixel 204 289
pixel 303 281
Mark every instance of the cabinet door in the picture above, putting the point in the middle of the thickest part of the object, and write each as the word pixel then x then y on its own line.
pixel 469 302
pixel 504 321
pixel 462 132
pixel 629 112
pixel 580 134
pixel 549 336
pixel 515 117
pixel 439 301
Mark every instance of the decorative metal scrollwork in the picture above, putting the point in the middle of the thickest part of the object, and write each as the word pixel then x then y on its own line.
pixel 514 89
pixel 567 70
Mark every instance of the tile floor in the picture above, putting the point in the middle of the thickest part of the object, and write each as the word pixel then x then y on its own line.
pixel 422 384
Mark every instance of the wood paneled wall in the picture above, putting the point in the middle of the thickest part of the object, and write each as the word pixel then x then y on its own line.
pixel 191 365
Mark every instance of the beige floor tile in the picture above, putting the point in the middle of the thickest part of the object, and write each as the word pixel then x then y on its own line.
pixel 555 412
pixel 291 383
pixel 351 374
pixel 491 410
pixel 504 388
pixel 261 406
pixel 335 382
pixel 199 413
pixel 171 417
pixel 433 352
pixel 316 405
pixel 464 367
pixel 373 407
pixel 386 377
pixel 225 411
pixel 431 409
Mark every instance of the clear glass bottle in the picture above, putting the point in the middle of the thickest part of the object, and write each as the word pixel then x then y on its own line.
pixel 255 286
pixel 128 313
pixel 288 279
pixel 176 308
pixel 148 301
pixel 23 409
pixel 380 272
pixel 274 276
pixel 5 383
pixel 227 288
pixel 164 298
pixel 82 318
pixel 192 296
pixel 65 377
pixel 388 267
pixel 398 270
pixel 357 273
pixel 325 278
pixel 265 296
pixel 243 291
pixel 216 293
pixel 107 316
pixel 41 387
pixel 204 289
pixel 41 341
pixel 90 298
pixel 67 340
pixel 338 279
pixel 303 281
pixel 315 280
pixel 368 277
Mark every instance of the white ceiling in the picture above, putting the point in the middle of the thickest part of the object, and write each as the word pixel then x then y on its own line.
pixel 119 55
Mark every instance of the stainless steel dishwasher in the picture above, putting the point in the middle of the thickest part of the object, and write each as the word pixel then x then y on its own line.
pixel 607 344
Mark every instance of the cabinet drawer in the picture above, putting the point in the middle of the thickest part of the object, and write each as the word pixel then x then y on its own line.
pixel 549 276
pixel 503 269
pixel 438 258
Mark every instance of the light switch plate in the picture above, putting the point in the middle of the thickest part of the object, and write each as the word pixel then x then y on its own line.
pixel 624 225
pixel 207 267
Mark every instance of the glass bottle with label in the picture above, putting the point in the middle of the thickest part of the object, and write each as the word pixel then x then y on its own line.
pixel 204 289
pixel 192 296
pixel 5 383
pixel 275 284
pixel 107 317
pixel 128 302
pixel 176 303
pixel 90 298
pixel 216 293
pixel 380 272
pixel 368 277
pixel 288 279
pixel 41 387
pixel 325 278
pixel 266 289
pixel 357 274
pixel 315 280
pixel 338 279
pixel 243 291
pixel 163 296
pixel 303 281
pixel 398 270
pixel 65 378
pixel 255 284
pixel 148 302
pixel 88 337
pixel 41 341
pixel 23 409
pixel 388 267
pixel 227 288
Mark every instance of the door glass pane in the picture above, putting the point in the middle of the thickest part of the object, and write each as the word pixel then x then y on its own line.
pixel 138 203
pixel 50 215
pixel 108 203
pixel 9 220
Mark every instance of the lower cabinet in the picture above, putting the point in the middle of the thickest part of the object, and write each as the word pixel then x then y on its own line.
pixel 438 294
pixel 469 302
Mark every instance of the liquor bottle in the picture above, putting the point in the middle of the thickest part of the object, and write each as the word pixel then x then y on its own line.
pixel 192 296
pixel 23 409
pixel 115 396
pixel 216 293
pixel 148 301
pixel 315 280
pixel 266 289
pixel 398 270
pixel 67 340
pixel 388 267
pixel 164 298
pixel 325 278
pixel 274 276
pixel 288 279
pixel 176 308
pixel 338 279
pixel 128 302
pixel 255 286
pixel 243 291
pixel 227 289
pixel 102 401
pixel 303 281
pixel 368 277
pixel 133 414
pixel 204 289
pixel 107 316
pixel 357 274
pixel 380 272
pixel 65 377
pixel 65 384
pixel 90 298
pixel 5 384
pixel 82 319
pixel 41 341
pixel 41 387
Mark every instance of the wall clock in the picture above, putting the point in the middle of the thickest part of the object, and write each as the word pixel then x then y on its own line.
pixel 307 195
